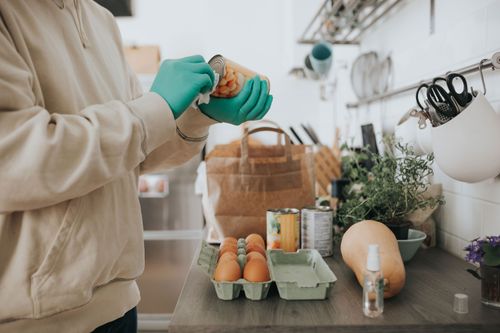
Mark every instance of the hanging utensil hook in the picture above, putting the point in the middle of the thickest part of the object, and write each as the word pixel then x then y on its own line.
pixel 482 76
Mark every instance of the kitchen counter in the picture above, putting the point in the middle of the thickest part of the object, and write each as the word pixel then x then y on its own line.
pixel 424 305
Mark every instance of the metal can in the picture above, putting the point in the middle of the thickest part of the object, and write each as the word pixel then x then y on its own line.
pixel 283 229
pixel 232 76
pixel 317 229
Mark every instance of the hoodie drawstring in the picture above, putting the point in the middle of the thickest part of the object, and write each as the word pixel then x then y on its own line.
pixel 80 26
pixel 78 18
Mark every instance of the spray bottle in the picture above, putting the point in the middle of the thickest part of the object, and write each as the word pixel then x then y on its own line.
pixel 373 286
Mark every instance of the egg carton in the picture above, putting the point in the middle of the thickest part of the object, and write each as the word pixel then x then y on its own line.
pixel 255 291
pixel 301 275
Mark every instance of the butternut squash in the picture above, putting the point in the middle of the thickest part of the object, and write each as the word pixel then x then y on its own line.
pixel 354 249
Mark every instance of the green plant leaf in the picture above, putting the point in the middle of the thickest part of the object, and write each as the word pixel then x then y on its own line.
pixel 491 255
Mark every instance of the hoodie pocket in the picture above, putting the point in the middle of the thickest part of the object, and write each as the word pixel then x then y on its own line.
pixel 69 225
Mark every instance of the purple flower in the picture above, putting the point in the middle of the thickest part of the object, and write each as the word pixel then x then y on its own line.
pixel 475 250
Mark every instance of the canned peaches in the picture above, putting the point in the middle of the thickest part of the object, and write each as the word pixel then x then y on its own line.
pixel 232 76
pixel 283 229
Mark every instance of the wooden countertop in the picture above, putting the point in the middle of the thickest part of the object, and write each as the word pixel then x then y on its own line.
pixel 424 305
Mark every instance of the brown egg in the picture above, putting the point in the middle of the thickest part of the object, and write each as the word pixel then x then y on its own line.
pixel 228 248
pixel 254 247
pixel 256 271
pixel 256 238
pixel 228 256
pixel 160 186
pixel 255 255
pixel 229 240
pixel 228 270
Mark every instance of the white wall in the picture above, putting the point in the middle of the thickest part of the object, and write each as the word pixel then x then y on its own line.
pixel 259 34
pixel 466 31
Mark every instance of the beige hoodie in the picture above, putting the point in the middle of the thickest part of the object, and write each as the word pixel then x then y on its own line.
pixel 75 132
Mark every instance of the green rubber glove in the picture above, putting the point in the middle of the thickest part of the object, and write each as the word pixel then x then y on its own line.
pixel 180 81
pixel 252 103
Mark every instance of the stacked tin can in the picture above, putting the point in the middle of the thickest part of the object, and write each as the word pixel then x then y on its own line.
pixel 317 229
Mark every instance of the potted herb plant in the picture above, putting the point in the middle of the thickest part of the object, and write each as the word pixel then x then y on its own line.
pixel 485 252
pixel 394 187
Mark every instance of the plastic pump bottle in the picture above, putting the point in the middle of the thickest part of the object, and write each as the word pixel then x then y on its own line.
pixel 373 286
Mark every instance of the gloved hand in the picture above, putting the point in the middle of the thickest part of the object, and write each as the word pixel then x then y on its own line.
pixel 180 81
pixel 252 103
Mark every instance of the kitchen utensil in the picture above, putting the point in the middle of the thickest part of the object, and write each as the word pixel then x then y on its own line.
pixel 313 133
pixel 370 70
pixel 463 98
pixel 357 76
pixel 313 139
pixel 406 131
pixel 441 101
pixel 296 135
pixel 421 115
pixel 361 74
pixel 381 75
pixel 460 99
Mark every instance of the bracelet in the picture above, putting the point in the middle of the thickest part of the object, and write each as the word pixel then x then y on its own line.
pixel 188 138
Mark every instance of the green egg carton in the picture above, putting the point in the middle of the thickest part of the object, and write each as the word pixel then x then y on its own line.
pixel 301 275
pixel 207 260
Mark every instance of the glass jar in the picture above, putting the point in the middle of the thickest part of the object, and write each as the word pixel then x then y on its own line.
pixel 490 285
pixel 232 76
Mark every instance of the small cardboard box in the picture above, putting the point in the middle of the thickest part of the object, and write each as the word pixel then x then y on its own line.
pixel 144 59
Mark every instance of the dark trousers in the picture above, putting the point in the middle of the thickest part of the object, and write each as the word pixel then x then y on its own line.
pixel 125 324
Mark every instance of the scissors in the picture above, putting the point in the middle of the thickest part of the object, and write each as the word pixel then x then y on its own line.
pixel 461 99
pixel 425 108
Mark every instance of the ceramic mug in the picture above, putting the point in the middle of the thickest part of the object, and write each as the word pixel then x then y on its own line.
pixel 467 147
pixel 321 58
pixel 310 73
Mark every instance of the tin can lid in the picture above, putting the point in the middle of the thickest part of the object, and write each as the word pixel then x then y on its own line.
pixel 284 210
pixel 318 208
pixel 218 65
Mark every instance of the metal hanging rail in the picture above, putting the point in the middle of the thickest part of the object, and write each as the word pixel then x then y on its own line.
pixel 491 64
pixel 337 20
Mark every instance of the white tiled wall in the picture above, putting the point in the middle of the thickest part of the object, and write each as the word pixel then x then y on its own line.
pixel 465 32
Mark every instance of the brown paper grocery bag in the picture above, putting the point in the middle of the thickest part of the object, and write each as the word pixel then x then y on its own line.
pixel 244 181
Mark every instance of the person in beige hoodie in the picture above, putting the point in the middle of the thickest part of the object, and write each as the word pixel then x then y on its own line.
pixel 76 131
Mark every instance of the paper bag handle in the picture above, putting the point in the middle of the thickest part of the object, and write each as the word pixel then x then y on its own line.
pixel 244 142
pixel 247 126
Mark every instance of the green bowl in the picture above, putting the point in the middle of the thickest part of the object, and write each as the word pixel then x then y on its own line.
pixel 408 247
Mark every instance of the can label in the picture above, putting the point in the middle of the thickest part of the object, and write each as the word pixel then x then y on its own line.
pixel 317 230
pixel 283 229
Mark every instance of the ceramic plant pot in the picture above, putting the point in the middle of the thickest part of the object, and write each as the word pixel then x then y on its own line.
pixel 466 147
pixel 400 230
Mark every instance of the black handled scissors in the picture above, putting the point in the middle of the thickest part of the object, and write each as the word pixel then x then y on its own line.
pixel 464 97
pixel 417 95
